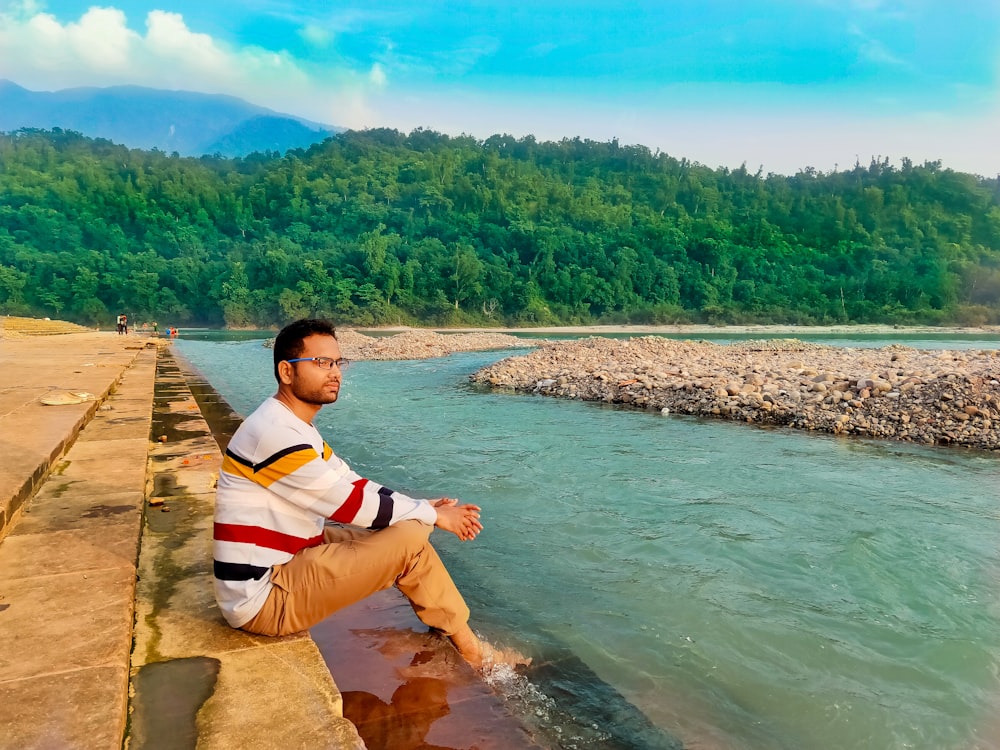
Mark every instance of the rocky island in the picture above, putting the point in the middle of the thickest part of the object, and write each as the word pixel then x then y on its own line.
pixel 936 397
pixel 418 344
pixel 421 344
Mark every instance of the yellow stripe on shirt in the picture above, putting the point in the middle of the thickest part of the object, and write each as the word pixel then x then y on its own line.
pixel 284 466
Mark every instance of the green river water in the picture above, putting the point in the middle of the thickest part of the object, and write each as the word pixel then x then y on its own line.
pixel 740 587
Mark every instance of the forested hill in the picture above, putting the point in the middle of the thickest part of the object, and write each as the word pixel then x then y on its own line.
pixel 380 227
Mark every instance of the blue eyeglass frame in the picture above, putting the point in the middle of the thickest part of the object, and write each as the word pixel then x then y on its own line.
pixel 341 363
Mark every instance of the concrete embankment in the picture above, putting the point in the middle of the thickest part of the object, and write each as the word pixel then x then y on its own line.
pixel 107 539
pixel 935 397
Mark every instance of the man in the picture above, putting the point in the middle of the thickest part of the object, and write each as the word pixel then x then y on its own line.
pixel 281 566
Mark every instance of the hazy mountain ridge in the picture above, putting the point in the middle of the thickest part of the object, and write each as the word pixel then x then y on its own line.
pixel 190 123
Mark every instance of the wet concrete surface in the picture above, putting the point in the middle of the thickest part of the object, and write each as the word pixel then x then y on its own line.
pixel 168 720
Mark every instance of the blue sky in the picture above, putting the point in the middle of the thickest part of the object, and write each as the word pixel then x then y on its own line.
pixel 778 84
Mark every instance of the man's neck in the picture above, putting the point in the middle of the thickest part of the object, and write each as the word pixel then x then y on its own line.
pixel 302 410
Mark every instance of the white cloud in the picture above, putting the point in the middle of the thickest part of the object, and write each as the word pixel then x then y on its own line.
pixel 316 35
pixel 169 40
pixel 377 75
pixel 100 49
pixel 38 40
pixel 23 8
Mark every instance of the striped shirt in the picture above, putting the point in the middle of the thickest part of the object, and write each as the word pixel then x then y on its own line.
pixel 280 483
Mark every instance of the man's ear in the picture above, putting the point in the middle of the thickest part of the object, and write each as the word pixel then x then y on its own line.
pixel 285 372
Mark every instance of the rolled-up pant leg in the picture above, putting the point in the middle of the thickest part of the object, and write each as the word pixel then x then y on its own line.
pixel 353 564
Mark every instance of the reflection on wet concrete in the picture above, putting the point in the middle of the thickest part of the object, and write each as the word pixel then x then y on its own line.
pixel 405 687
pixel 403 723
pixel 165 717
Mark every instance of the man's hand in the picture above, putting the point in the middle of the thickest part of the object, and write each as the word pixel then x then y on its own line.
pixel 460 520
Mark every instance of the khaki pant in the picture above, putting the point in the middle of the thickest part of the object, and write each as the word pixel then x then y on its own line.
pixel 354 563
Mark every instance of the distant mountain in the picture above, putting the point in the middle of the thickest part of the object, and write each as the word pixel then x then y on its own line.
pixel 189 123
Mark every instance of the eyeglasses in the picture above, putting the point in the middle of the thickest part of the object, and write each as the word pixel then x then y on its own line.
pixel 323 363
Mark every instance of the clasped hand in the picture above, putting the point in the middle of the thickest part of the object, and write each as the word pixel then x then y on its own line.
pixel 460 520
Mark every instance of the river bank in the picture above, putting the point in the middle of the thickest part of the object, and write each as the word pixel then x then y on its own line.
pixel 935 397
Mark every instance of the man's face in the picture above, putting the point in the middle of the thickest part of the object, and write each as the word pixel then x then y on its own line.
pixel 310 383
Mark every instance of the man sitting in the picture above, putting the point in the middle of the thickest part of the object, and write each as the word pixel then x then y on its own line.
pixel 299 535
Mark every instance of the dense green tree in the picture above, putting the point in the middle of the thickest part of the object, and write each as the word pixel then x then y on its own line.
pixel 377 226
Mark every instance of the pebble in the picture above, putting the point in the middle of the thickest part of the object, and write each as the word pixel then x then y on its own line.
pixel 895 392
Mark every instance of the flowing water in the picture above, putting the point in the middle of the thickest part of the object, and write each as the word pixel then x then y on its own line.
pixel 741 587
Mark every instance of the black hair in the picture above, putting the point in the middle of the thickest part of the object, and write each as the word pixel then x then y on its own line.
pixel 289 342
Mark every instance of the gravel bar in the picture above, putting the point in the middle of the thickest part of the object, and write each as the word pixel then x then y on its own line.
pixel 949 397
pixel 417 344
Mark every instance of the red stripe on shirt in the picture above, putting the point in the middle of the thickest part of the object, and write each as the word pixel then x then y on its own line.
pixel 346 512
pixel 231 532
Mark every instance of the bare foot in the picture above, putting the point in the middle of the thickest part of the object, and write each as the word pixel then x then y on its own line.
pixel 481 655
pixel 495 657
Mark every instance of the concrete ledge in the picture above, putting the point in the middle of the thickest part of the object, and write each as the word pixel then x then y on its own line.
pixel 36 436
pixel 195 680
pixel 67 567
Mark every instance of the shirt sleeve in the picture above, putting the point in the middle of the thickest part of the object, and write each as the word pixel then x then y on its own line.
pixel 327 486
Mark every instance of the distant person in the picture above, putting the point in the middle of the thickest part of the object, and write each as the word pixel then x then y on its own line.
pixel 125 324
pixel 120 325
pixel 155 329
pixel 299 535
